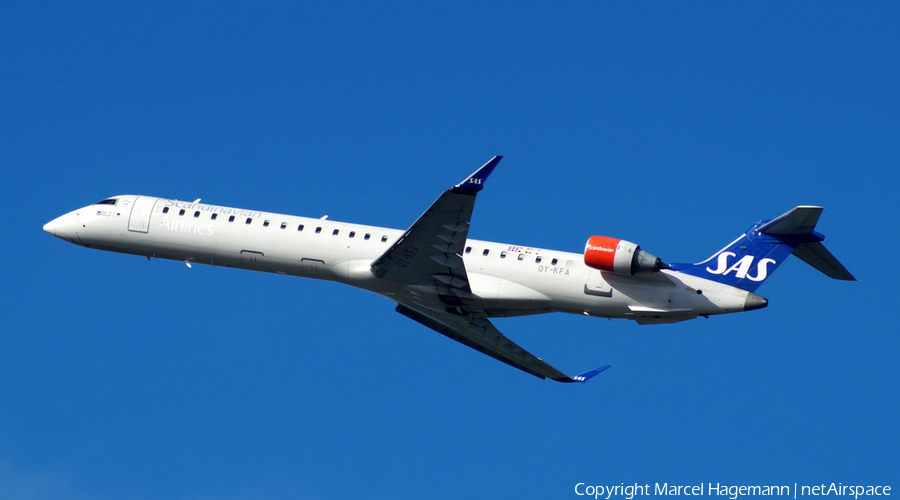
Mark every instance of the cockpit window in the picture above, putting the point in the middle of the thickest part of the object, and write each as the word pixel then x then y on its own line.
pixel 108 201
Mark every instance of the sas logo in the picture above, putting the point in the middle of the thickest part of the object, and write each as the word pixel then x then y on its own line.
pixel 741 267
pixel 475 180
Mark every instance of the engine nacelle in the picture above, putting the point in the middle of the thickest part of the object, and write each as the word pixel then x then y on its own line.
pixel 619 256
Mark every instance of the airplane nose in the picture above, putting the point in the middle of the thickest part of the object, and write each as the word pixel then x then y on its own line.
pixel 63 226
pixel 754 301
pixel 50 227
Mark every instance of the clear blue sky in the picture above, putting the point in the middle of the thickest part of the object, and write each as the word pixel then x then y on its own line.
pixel 675 127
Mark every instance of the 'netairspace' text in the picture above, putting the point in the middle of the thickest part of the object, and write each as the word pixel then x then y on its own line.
pixel 731 491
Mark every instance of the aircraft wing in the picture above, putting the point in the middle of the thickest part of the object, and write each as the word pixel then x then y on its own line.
pixel 427 262
pixel 480 334
pixel 431 249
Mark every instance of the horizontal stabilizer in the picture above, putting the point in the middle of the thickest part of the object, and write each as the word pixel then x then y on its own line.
pixel 816 255
pixel 799 220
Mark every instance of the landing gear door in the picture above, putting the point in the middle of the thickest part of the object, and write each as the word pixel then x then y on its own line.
pixel 140 213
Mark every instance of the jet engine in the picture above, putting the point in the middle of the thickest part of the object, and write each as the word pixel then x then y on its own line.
pixel 620 256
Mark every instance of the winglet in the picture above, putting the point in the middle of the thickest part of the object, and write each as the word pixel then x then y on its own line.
pixel 584 377
pixel 475 182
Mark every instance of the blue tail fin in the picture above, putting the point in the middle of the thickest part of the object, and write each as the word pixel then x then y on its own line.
pixel 747 261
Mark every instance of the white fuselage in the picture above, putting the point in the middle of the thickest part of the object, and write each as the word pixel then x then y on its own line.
pixel 505 280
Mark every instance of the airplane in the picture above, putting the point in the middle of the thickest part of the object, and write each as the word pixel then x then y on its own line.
pixel 440 278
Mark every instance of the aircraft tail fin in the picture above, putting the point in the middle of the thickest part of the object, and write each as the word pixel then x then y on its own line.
pixel 751 258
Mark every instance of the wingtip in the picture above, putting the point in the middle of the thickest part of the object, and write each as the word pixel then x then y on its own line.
pixel 475 182
pixel 584 377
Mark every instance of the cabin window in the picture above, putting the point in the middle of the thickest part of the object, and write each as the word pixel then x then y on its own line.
pixel 231 219
pixel 538 259
pixel 352 234
pixel 181 212
pixel 553 262
pixel 165 210
pixel 318 230
pixel 265 223
pixel 485 252
pixel 502 255
pixel 521 256
pixel 283 225
pixel 335 232
pixel 383 239
pixel 300 227
pixel 197 214
pixel 468 249
pixel 248 221
pixel 214 216
pixel 367 236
